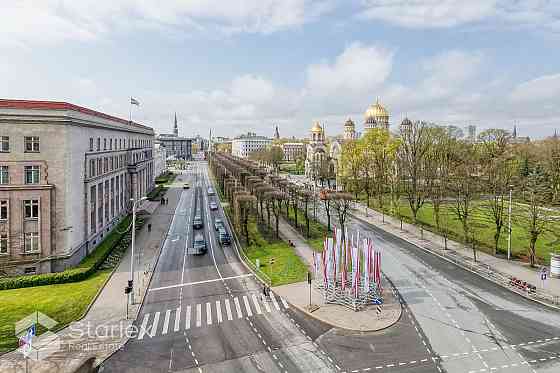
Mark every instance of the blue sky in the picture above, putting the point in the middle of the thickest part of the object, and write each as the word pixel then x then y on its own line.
pixel 238 66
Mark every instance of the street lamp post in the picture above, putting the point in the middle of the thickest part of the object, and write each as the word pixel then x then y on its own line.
pixel 131 281
pixel 509 224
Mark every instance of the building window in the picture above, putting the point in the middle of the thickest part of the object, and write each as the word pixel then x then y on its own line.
pixel 31 144
pixel 3 243
pixel 100 204
pixel 31 242
pixel 91 144
pixel 30 270
pixel 98 144
pixel 110 144
pixel 4 144
pixel 92 208
pixel 32 174
pixel 92 168
pixel 4 209
pixel 105 165
pixel 31 209
pixel 104 144
pixel 4 175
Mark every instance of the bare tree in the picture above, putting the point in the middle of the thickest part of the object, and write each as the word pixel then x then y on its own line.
pixel 341 202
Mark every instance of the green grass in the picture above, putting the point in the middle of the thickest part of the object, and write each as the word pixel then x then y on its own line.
pixel 317 231
pixel 63 303
pixel 484 228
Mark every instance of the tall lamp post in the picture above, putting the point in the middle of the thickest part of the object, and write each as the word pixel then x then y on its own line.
pixel 131 281
pixel 509 223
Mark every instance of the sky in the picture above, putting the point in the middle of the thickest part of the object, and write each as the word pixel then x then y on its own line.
pixel 248 65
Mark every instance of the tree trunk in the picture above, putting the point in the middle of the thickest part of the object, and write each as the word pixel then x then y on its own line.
pixel 295 213
pixel 532 244
pixel 307 218
pixel 497 235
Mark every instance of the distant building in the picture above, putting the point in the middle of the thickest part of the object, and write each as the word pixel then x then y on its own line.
pixel 349 130
pixel 175 147
pixel 244 145
pixel 471 133
pixel 520 139
pixel 67 174
pixel 376 116
pixel 160 160
pixel 293 150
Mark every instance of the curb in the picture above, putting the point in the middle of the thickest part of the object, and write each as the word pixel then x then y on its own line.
pixel 458 265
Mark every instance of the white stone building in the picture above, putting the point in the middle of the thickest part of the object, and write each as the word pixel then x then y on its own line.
pixel 243 146
pixel 160 160
pixel 293 150
pixel 67 176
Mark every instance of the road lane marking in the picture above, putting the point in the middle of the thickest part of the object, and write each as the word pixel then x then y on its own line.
pixel 208 313
pixel 247 307
pixel 177 319
pixel 218 312
pixel 200 282
pixel 237 308
pixel 188 318
pixel 267 306
pixel 166 322
pixel 256 303
pixel 274 301
pixel 228 310
pixel 284 302
pixel 144 325
pixel 154 325
pixel 198 315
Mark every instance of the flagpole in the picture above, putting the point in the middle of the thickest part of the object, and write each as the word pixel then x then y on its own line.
pixel 130 112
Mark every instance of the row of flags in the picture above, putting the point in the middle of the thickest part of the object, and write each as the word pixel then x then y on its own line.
pixel 350 260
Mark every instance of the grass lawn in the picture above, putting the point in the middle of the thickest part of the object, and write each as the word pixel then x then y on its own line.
pixel 484 228
pixel 317 231
pixel 63 302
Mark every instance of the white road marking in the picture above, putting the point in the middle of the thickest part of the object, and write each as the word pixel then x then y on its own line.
pixel 198 315
pixel 200 282
pixel 143 326
pixel 237 308
pixel 166 322
pixel 218 312
pixel 247 307
pixel 177 319
pixel 256 303
pixel 154 325
pixel 284 302
pixel 274 301
pixel 188 318
pixel 266 306
pixel 228 310
pixel 208 313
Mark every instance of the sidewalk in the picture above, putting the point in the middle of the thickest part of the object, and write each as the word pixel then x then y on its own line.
pixel 298 295
pixel 494 267
pixel 103 327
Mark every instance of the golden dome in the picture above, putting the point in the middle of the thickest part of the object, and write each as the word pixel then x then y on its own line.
pixel 376 111
pixel 317 128
pixel 349 123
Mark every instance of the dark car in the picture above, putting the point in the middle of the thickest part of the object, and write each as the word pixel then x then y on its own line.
pixel 186 186
pixel 197 222
pixel 199 245
pixel 224 237
pixel 218 223
pixel 213 205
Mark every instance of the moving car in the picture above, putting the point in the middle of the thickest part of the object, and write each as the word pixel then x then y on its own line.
pixel 210 191
pixel 186 186
pixel 218 223
pixel 197 222
pixel 213 205
pixel 224 237
pixel 199 245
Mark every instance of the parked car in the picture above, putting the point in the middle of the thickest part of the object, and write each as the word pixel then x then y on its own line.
pixel 224 237
pixel 213 205
pixel 218 223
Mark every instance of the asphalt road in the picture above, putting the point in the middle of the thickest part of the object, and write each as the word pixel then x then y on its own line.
pixel 204 313
pixel 469 324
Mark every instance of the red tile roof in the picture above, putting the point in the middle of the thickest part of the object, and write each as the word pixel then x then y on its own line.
pixel 57 105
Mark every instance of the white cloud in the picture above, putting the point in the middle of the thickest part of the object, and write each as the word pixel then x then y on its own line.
pixel 450 13
pixel 542 89
pixel 28 22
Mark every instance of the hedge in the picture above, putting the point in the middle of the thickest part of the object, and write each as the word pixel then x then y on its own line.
pixel 83 270
pixel 157 193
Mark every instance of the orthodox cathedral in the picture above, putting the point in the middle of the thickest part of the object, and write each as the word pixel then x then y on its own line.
pixel 323 157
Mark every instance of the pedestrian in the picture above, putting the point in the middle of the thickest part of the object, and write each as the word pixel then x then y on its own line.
pixel 149 227
pixel 162 200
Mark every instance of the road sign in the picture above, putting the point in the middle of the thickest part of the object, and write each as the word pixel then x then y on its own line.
pixel 309 278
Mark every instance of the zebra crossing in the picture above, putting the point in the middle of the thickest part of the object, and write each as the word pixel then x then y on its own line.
pixel 207 314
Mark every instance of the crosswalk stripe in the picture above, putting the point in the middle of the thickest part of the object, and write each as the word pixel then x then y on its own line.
pixel 208 313
pixel 266 306
pixel 166 322
pixel 143 327
pixel 188 320
pixel 228 310
pixel 177 319
pixel 154 325
pixel 247 307
pixel 237 308
pixel 256 303
pixel 198 315
pixel 218 312
pixel 284 302
pixel 274 301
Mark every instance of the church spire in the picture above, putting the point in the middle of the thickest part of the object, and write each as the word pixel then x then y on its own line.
pixel 514 131
pixel 175 128
pixel 276 133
